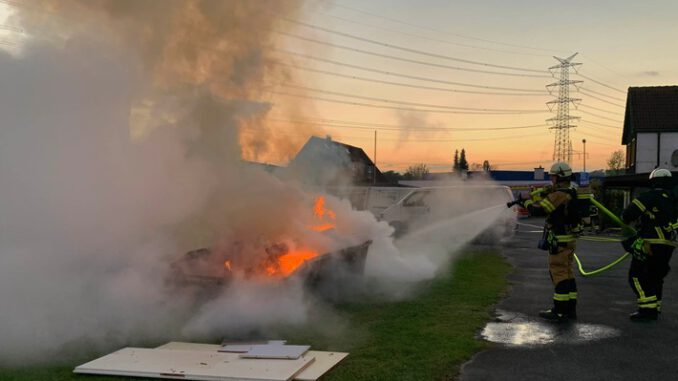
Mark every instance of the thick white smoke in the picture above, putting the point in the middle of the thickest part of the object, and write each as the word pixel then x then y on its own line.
pixel 113 163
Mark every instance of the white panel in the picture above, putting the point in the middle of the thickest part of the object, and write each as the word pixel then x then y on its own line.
pixel 324 361
pixel 669 143
pixel 192 365
pixel 646 152
pixel 276 351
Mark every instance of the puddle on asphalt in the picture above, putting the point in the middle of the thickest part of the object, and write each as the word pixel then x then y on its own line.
pixel 516 329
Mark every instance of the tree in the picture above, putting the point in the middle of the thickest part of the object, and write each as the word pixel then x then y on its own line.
pixel 392 177
pixel 486 166
pixel 616 162
pixel 476 167
pixel 416 172
pixel 455 166
pixel 463 164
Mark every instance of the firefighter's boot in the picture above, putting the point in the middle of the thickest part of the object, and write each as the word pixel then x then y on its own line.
pixel 572 310
pixel 553 316
pixel 644 315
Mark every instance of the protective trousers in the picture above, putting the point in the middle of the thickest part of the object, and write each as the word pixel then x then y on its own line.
pixel 560 268
pixel 647 277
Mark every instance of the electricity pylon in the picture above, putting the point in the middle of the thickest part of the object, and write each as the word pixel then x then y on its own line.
pixel 562 122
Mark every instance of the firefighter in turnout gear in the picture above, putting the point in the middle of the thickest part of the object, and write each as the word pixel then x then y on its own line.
pixel 559 238
pixel 655 210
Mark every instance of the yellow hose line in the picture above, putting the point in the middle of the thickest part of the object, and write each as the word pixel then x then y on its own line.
pixel 602 269
pixel 599 239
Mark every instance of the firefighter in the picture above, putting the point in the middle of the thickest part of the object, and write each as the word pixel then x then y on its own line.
pixel 559 239
pixel 655 213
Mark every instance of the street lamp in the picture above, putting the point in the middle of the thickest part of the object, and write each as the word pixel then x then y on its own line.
pixel 584 142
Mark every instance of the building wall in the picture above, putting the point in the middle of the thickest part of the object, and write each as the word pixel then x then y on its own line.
pixel 646 151
pixel 669 143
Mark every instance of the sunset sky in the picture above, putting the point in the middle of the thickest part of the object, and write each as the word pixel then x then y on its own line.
pixel 620 44
pixel 348 88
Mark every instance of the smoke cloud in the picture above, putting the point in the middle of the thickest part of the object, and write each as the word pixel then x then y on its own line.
pixel 121 148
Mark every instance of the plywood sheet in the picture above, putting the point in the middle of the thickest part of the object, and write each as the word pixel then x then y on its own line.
pixel 324 361
pixel 193 365
pixel 276 351
pixel 242 347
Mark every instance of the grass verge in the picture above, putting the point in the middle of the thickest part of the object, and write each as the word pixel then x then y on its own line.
pixel 425 338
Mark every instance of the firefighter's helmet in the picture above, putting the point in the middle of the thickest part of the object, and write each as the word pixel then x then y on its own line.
pixel 660 172
pixel 660 178
pixel 560 169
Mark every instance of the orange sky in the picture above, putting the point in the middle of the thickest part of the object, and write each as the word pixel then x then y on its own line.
pixel 617 49
pixel 405 24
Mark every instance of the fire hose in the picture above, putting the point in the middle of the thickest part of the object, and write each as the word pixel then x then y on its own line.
pixel 625 229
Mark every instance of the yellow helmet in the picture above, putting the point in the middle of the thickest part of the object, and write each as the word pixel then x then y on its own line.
pixel 560 169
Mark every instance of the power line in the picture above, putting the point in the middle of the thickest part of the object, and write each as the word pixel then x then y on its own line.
pixel 409 50
pixel 254 130
pixel 384 100
pixel 402 59
pixel 402 84
pixel 599 116
pixel 427 79
pixel 395 127
pixel 601 83
pixel 607 68
pixel 430 38
pixel 439 111
pixel 438 30
pixel 600 109
pixel 601 94
pixel 601 124
pixel 601 99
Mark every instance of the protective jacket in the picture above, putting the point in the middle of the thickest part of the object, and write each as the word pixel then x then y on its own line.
pixel 562 222
pixel 656 210
pixel 560 240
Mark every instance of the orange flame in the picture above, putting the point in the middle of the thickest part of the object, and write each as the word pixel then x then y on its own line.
pixel 291 261
pixel 227 265
pixel 287 263
pixel 319 211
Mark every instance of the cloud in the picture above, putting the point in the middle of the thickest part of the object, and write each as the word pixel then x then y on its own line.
pixel 649 73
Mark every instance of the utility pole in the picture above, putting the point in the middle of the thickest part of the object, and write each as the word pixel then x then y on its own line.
pixel 584 143
pixel 562 146
pixel 374 172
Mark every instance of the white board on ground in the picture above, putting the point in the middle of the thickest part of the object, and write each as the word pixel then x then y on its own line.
pixel 192 365
pixel 276 351
pixel 238 347
pixel 324 361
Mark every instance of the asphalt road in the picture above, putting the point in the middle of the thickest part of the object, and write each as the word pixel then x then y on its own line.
pixel 602 345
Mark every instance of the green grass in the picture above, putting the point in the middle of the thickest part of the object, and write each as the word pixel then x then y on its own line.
pixel 424 338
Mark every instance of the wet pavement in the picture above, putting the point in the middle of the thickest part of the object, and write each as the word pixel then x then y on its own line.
pixel 602 344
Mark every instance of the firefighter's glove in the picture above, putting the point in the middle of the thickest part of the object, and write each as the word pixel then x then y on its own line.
pixel 519 201
pixel 634 245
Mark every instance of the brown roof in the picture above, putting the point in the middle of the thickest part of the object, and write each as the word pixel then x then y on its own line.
pixel 650 109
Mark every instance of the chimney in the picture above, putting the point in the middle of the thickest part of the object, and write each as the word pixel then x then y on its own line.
pixel 328 137
pixel 539 173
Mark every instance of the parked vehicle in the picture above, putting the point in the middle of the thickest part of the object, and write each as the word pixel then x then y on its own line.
pixel 422 206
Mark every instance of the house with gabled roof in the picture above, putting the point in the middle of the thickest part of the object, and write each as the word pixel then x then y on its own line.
pixel 328 162
pixel 651 129
pixel 651 138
